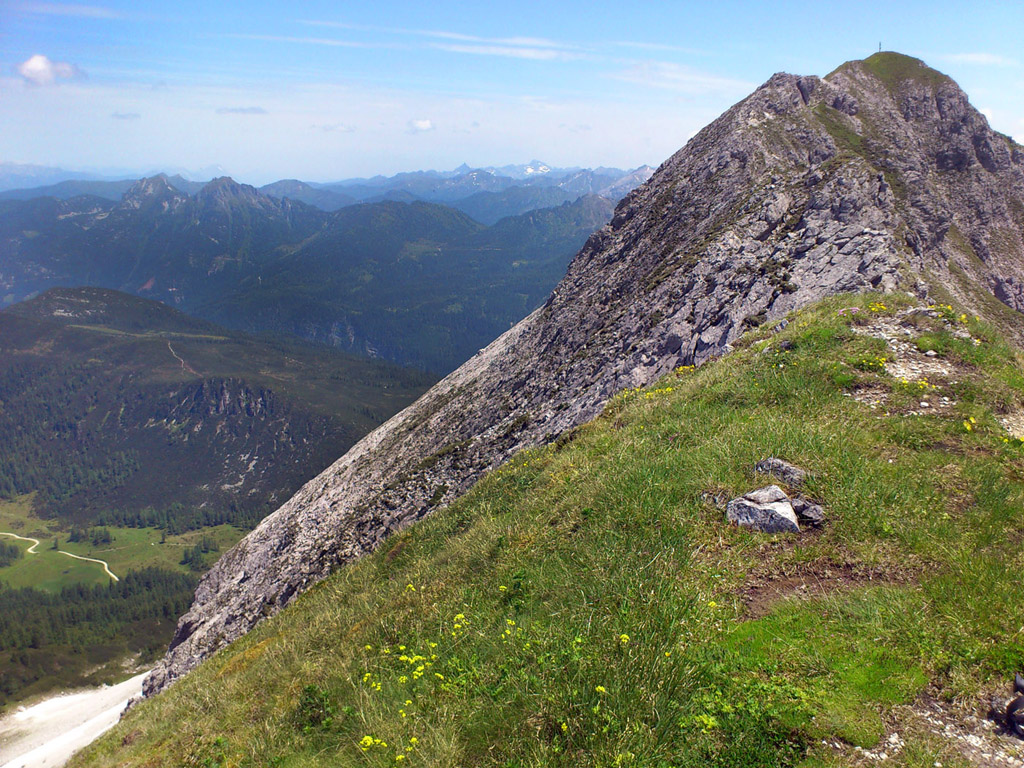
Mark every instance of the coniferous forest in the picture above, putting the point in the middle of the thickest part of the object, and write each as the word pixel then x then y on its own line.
pixel 68 636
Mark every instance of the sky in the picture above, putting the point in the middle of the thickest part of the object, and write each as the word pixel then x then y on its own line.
pixel 323 91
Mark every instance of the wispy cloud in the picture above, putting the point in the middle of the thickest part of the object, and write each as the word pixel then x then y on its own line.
pixel 535 54
pixel 330 41
pixel 981 59
pixel 40 70
pixel 677 77
pixel 126 115
pixel 536 48
pixel 67 9
pixel 241 111
pixel 657 47
pixel 335 128
pixel 420 126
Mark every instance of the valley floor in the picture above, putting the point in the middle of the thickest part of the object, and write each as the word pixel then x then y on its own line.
pixel 50 732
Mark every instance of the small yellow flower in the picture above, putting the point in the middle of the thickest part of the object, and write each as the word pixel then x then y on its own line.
pixel 601 689
pixel 399 758
pixel 712 604
pixel 624 639
pixel 369 647
pixel 410 588
pixel 564 727
pixel 503 588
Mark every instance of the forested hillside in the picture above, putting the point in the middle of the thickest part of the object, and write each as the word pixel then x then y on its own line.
pixel 118 410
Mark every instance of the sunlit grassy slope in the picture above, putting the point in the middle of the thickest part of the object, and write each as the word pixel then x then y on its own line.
pixel 588 605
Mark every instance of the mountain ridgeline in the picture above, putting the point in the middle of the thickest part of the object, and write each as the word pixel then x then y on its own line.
pixel 879 176
pixel 260 263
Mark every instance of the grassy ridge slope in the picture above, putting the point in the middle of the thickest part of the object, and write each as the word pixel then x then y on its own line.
pixel 587 605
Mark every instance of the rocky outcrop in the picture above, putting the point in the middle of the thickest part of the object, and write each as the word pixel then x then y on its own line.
pixel 768 510
pixel 880 175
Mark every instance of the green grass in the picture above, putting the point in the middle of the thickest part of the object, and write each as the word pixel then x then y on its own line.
pixel 586 605
pixel 894 69
pixel 131 549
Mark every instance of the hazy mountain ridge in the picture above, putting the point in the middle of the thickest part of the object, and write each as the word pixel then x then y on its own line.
pixel 792 195
pixel 448 187
pixel 361 278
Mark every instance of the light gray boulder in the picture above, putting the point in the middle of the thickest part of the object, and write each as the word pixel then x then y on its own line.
pixel 767 509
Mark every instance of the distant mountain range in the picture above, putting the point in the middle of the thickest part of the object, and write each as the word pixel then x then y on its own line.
pixel 486 194
pixel 415 282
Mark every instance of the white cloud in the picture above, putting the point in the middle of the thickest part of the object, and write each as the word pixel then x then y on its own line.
pixel 658 47
pixel 676 77
pixel 241 111
pixel 988 113
pixel 420 126
pixel 329 41
pixel 67 9
pixel 534 54
pixel 535 48
pixel 125 115
pixel 336 128
pixel 40 70
pixel 983 59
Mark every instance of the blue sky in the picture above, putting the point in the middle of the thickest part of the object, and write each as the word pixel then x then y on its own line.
pixel 327 90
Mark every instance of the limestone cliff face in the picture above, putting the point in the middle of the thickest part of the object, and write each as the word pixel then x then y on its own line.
pixel 880 175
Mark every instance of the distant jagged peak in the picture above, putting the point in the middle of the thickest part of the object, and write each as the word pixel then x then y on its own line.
pixel 225 191
pixel 153 192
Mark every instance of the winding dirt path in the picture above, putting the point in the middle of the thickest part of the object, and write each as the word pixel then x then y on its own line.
pixel 107 568
pixel 184 366
pixel 35 543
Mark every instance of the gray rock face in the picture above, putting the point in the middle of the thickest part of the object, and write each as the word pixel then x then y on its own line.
pixel 767 510
pixel 808 512
pixel 808 187
pixel 782 469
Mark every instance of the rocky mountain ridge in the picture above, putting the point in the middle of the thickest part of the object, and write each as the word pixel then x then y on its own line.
pixel 879 176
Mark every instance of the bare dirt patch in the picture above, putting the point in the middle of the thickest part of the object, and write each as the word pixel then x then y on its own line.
pixel 763 591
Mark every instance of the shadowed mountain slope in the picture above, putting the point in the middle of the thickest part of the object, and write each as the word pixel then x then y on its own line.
pixel 123 411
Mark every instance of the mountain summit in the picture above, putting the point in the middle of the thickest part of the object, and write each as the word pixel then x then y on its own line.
pixel 879 176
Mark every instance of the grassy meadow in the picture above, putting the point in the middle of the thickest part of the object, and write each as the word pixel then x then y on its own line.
pixel 130 549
